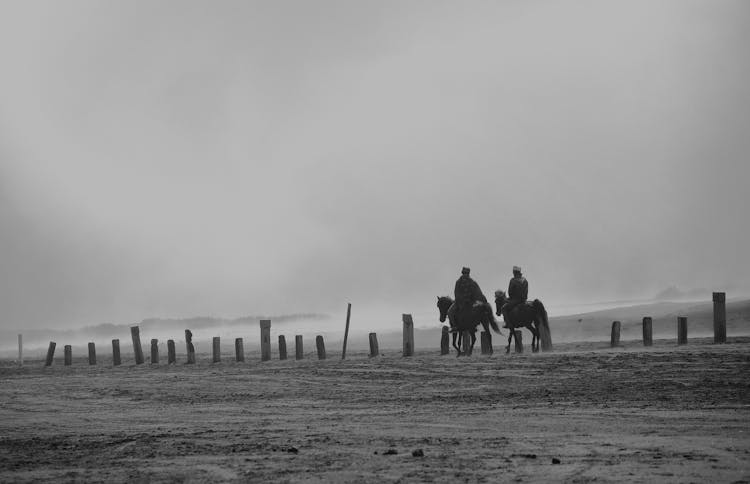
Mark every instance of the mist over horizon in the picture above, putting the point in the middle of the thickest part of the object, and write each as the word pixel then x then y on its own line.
pixel 180 159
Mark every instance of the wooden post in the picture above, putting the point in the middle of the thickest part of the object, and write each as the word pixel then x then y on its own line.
pixel 171 353
pixel 116 352
pixel 615 339
pixel 647 331
pixel 20 350
pixel 190 347
pixel 681 330
pixel 50 353
pixel 154 351
pixel 374 350
pixel 408 334
pixel 486 343
pixel 445 341
pixel 518 338
pixel 239 350
pixel 720 317
pixel 282 347
pixel 217 349
pixel 92 354
pixel 68 352
pixel 466 342
pixel 321 347
pixel 346 331
pixel 265 339
pixel 298 351
pixel 135 333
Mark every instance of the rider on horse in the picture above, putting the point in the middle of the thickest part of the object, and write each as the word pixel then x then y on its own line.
pixel 466 293
pixel 518 292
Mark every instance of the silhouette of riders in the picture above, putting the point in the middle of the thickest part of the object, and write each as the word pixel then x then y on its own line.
pixel 466 294
pixel 518 292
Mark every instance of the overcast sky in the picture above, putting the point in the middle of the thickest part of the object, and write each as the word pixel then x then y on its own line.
pixel 175 158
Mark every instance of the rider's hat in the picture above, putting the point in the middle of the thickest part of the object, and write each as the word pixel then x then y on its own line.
pixel 465 270
pixel 516 269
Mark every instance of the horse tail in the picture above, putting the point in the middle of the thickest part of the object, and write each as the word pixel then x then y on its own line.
pixel 492 320
pixel 542 312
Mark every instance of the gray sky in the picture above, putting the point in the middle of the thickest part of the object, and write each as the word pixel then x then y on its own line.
pixel 178 158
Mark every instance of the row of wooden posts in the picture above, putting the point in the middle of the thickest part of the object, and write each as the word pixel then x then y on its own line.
pixel 720 325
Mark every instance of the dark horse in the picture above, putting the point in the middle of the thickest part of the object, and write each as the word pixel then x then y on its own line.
pixel 468 320
pixel 529 315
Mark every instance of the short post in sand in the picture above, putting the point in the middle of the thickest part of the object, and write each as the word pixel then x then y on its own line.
pixel 648 331
pixel 299 352
pixel 92 354
pixel 374 350
pixel 216 346
pixel 68 355
pixel 518 338
pixel 615 338
pixel 116 352
pixel 408 334
pixel 681 330
pixel 20 350
pixel 320 344
pixel 239 350
pixel 189 347
pixel 171 353
pixel 50 353
pixel 465 342
pixel 154 351
pixel 265 339
pixel 445 341
pixel 720 317
pixel 346 331
pixel 282 347
pixel 486 343
pixel 135 333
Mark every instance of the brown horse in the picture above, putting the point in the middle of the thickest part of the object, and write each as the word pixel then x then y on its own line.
pixel 530 315
pixel 467 320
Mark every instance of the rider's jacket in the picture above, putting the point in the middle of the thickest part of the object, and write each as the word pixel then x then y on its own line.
pixel 518 289
pixel 467 291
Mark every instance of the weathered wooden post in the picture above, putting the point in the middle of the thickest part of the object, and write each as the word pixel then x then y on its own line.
pixel 374 350
pixel 298 350
pixel 346 331
pixel 518 338
pixel 135 332
pixel 545 338
pixel 615 339
pixel 681 330
pixel 647 331
pixel 217 349
pixel 321 347
pixel 445 341
pixel 466 342
pixel 190 347
pixel 486 343
pixel 50 353
pixel 20 350
pixel 68 352
pixel 154 351
pixel 171 353
pixel 116 352
pixel 720 317
pixel 265 339
pixel 408 334
pixel 239 350
pixel 92 354
pixel 282 347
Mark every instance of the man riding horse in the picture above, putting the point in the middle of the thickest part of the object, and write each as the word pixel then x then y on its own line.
pixel 466 293
pixel 518 293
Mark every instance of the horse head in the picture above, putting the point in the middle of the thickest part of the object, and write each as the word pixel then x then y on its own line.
pixel 443 303
pixel 499 302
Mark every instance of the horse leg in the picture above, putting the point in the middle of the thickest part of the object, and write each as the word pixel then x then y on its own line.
pixel 534 338
pixel 460 342
pixel 473 340
pixel 510 338
pixel 455 336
